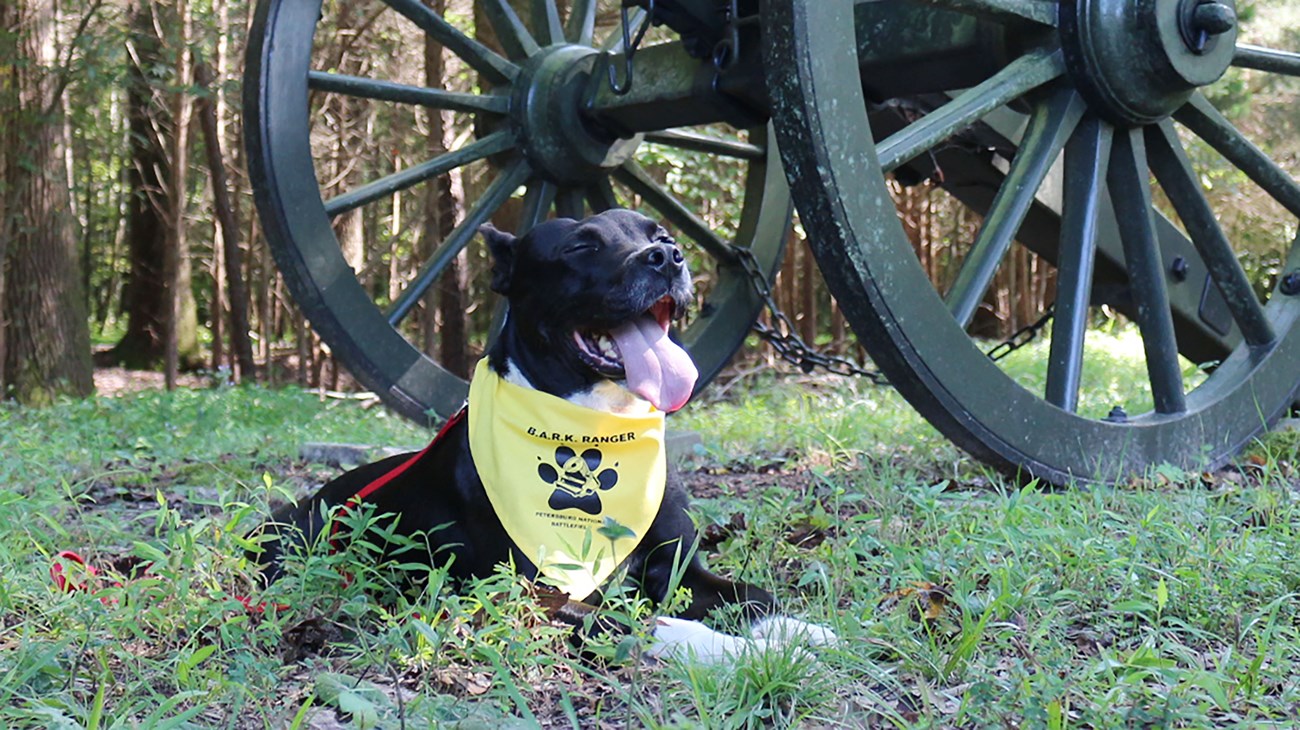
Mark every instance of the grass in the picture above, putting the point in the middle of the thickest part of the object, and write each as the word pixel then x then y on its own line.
pixel 962 601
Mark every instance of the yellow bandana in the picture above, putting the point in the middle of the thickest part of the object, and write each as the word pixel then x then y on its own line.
pixel 556 472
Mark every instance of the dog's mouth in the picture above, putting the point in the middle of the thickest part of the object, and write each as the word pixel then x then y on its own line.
pixel 656 368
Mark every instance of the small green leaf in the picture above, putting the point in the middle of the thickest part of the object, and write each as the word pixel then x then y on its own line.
pixel 1133 606
pixel 196 658
pixel 1055 716
pixel 149 552
pixel 1214 687
pixel 612 530
pixel 352 697
pixel 623 651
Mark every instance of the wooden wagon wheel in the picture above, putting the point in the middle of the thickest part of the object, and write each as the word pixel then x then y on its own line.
pixel 527 122
pixel 1116 85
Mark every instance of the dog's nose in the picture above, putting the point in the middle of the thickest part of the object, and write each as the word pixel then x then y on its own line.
pixel 663 257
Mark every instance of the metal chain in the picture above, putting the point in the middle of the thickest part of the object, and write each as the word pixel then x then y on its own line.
pixel 630 45
pixel 783 338
pixel 1022 336
pixel 791 347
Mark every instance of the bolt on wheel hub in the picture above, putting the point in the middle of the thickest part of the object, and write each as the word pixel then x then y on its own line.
pixel 1136 61
pixel 548 99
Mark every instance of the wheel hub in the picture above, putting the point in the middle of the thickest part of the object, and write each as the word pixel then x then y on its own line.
pixel 1137 61
pixel 560 144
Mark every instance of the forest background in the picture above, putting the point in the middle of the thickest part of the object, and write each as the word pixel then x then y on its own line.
pixel 128 235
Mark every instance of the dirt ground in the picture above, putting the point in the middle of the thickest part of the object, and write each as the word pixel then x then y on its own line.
pixel 120 381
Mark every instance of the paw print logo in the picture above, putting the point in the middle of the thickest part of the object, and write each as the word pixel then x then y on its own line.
pixel 578 479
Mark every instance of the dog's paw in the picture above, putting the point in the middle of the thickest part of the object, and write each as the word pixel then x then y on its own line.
pixel 678 638
pixel 784 630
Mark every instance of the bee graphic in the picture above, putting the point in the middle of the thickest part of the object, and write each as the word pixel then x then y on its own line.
pixel 577 479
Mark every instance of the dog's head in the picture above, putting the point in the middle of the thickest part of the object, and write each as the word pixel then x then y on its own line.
pixel 593 300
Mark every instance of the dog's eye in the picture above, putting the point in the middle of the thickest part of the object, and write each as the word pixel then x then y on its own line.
pixel 583 247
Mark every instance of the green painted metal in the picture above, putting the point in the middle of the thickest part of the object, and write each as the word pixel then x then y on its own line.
pixel 487 62
pixel 1034 11
pixel 404 94
pixel 507 181
pixel 1174 171
pixel 1130 192
pixel 973 179
pixel 1087 156
pixel 1050 126
pixel 829 151
pixel 1132 60
pixel 1022 75
pixel 479 149
pixel 672 90
pixel 538 133
pixel 1267 59
pixel 511 32
pixel 1200 116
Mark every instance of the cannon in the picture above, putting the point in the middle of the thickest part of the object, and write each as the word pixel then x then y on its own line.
pixel 1049 119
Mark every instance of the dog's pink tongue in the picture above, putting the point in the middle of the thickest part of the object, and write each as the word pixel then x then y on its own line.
pixel 657 368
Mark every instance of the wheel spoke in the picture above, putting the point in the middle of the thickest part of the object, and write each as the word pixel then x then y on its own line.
pixel 614 43
pixel 440 165
pixel 1130 193
pixel 704 143
pixel 1086 158
pixel 511 32
pixel 546 22
pixel 1025 73
pixel 537 203
pixel 569 203
pixel 1050 126
pixel 639 181
pixel 406 94
pixel 1174 172
pixel 1037 11
pixel 496 69
pixel 600 196
pixel 505 184
pixel 582 22
pixel 1200 116
pixel 1266 59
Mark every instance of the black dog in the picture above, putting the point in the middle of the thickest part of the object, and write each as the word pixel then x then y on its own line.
pixel 585 299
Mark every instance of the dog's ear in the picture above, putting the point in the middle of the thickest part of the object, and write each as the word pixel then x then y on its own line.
pixel 502 246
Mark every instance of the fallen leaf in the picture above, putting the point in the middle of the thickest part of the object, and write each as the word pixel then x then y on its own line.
pixel 929 601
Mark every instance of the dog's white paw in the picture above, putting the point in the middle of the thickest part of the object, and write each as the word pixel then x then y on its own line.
pixel 784 630
pixel 679 638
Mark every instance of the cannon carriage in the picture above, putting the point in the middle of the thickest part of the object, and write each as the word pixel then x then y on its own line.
pixel 1049 119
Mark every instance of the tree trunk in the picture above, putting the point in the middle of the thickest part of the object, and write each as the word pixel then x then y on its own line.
pixel 177 269
pixel 439 220
pixel 808 281
pixel 151 218
pixel 46 349
pixel 225 213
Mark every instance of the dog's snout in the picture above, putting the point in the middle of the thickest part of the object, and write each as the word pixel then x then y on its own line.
pixel 663 257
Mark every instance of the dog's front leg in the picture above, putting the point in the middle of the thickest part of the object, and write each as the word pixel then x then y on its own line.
pixel 685 637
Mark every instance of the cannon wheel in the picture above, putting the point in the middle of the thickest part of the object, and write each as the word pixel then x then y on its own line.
pixel 1088 78
pixel 534 143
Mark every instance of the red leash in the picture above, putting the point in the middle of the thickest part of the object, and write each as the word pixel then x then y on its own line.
pixel 379 483
pixel 66 584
